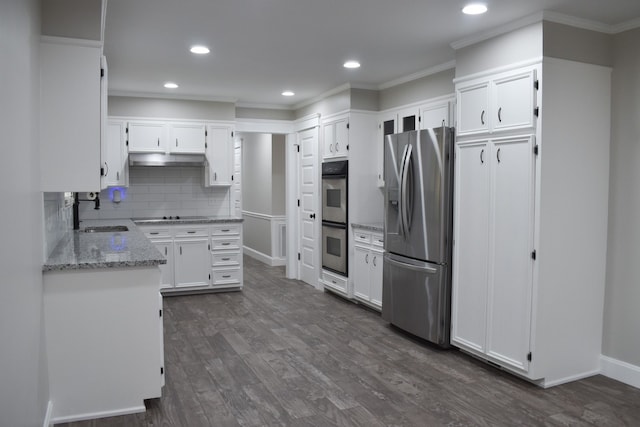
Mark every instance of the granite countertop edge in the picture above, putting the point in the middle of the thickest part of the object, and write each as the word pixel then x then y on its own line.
pixel 370 226
pixel 204 220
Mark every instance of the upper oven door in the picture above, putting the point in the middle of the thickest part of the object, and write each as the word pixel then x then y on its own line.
pixel 334 199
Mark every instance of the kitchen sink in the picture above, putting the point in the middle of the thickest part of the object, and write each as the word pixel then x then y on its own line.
pixel 106 229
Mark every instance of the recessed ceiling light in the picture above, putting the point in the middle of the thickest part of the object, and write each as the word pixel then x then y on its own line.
pixel 352 64
pixel 287 93
pixel 474 9
pixel 200 50
pixel 170 85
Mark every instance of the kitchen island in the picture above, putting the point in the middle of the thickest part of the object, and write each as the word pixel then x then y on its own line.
pixel 103 322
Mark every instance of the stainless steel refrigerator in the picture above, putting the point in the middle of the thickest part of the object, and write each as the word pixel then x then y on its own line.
pixel 418 174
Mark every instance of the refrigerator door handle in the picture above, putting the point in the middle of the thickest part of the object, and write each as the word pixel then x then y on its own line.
pixel 407 205
pixel 401 195
pixel 422 266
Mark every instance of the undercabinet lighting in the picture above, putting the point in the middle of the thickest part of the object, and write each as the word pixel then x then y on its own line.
pixel 200 50
pixel 170 85
pixel 287 93
pixel 352 64
pixel 474 9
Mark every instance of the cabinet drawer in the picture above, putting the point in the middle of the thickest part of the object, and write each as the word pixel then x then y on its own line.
pixel 225 244
pixel 360 236
pixel 155 234
pixel 225 277
pixel 225 229
pixel 225 258
pixel 192 232
pixel 377 239
pixel 334 281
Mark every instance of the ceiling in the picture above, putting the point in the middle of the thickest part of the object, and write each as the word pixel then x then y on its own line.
pixel 259 48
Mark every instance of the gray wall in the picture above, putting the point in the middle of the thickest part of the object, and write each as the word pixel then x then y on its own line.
pixel 170 108
pixel 332 104
pixel 264 114
pixel 278 173
pixel 576 44
pixel 24 387
pixel 432 86
pixel 72 18
pixel 364 99
pixel 621 314
pixel 519 45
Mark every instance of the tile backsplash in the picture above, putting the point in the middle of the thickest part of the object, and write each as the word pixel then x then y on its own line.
pixel 160 191
pixel 58 219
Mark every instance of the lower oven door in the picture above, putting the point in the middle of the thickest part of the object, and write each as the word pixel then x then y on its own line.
pixel 334 248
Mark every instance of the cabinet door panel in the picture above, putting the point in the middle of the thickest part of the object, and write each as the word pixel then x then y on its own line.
pixel 328 135
pixel 341 141
pixel 192 262
pixel 511 278
pixel 187 138
pixel 166 249
pixel 471 245
pixel 433 116
pixel 473 109
pixel 361 273
pixel 113 155
pixel 219 155
pixel 375 293
pixel 514 102
pixel 147 137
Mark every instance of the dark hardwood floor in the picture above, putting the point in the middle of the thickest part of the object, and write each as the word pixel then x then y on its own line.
pixel 280 353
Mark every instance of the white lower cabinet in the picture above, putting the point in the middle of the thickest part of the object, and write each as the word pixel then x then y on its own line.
pixel 191 262
pixel 493 272
pixel 367 272
pixel 335 282
pixel 199 257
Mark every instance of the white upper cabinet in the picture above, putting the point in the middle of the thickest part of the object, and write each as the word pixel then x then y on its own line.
pixel 114 155
pixel 187 138
pixel 434 115
pixel 147 136
pixel 408 119
pixel 473 106
pixel 71 114
pixel 335 134
pixel 504 102
pixel 219 151
pixel 514 101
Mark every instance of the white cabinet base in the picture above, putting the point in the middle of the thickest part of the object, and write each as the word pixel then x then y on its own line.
pixel 103 337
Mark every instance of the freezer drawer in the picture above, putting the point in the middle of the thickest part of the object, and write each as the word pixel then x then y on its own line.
pixel 416 297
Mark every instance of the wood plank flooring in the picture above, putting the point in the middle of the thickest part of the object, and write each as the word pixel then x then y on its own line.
pixel 280 353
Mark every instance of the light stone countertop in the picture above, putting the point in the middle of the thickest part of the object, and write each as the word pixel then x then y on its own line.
pixel 369 226
pixel 187 220
pixel 81 250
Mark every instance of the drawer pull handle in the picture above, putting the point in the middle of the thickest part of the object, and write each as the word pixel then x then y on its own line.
pixel 226 244
pixel 226 230
pixel 334 282
pixel 363 237
pixel 191 232
pixel 226 259
pixel 154 233
pixel 226 276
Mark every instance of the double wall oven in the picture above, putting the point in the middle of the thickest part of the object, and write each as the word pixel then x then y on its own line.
pixel 334 216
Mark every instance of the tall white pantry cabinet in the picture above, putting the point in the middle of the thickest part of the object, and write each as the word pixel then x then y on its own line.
pixel 530 217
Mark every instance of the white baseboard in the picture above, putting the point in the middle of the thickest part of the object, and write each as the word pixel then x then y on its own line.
pixel 47 418
pixel 273 262
pixel 620 371
pixel 559 381
pixel 103 414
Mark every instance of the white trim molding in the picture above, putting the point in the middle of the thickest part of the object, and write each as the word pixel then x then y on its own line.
pixel 420 74
pixel 48 422
pixel 271 261
pixel 306 122
pixel 620 371
pixel 264 126
pixel 102 414
pixel 278 239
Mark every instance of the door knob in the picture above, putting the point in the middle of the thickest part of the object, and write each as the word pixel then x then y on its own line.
pixel 312 216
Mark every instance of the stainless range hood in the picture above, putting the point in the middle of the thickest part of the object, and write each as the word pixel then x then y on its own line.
pixel 157 159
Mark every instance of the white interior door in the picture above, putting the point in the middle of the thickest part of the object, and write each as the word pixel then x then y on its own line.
pixel 309 221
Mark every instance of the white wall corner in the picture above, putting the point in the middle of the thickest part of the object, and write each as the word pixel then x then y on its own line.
pixel 48 422
pixel 620 371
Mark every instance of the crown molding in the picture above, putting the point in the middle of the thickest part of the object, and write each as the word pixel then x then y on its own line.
pixel 176 96
pixel 71 41
pixel 626 26
pixel 572 21
pixel 493 32
pixel 420 74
